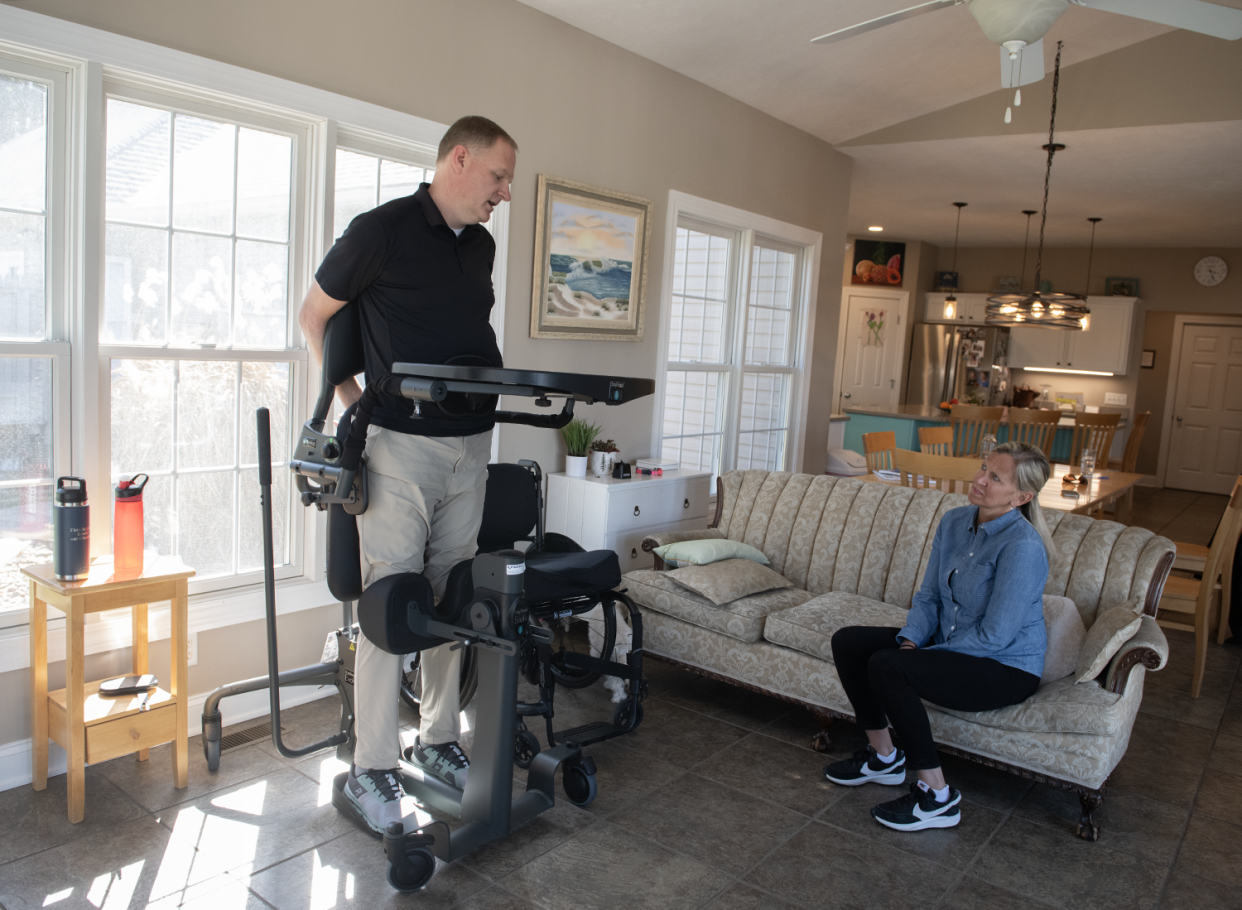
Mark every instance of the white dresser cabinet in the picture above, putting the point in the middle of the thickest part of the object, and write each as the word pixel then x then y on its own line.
pixel 602 513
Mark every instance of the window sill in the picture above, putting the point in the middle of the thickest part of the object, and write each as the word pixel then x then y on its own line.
pixel 207 611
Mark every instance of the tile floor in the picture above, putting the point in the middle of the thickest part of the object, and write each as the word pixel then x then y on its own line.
pixel 1180 515
pixel 715 802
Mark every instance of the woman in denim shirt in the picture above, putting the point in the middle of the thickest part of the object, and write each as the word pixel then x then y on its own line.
pixel 974 639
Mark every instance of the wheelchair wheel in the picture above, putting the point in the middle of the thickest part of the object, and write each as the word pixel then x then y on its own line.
pixel 621 716
pixel 411 688
pixel 572 635
pixel 525 748
pixel 580 786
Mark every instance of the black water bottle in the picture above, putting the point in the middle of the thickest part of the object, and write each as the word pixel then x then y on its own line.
pixel 71 530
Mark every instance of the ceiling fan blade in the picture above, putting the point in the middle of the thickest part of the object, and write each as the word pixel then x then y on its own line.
pixel 1192 15
pixel 843 33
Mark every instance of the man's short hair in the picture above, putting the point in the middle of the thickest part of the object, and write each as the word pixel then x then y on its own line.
pixel 474 133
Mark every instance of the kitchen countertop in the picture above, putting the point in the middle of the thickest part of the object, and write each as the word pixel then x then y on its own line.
pixel 934 414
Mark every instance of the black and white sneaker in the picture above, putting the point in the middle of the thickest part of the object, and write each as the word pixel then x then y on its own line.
pixel 445 761
pixel 379 798
pixel 919 809
pixel 865 767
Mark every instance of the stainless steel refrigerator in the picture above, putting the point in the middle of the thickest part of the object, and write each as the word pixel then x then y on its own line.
pixel 969 363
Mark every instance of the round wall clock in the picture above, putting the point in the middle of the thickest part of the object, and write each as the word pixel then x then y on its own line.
pixel 1211 271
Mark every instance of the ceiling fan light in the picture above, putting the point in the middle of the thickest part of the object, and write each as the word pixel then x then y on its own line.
pixel 1008 22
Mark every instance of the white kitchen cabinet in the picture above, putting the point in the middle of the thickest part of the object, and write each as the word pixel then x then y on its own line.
pixel 602 513
pixel 971 309
pixel 1104 347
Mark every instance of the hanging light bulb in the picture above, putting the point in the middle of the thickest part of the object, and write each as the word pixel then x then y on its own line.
pixel 950 302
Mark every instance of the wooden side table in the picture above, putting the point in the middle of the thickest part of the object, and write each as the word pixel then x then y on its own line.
pixel 91 728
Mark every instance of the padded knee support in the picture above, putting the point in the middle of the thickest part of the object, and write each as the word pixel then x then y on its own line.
pixel 385 607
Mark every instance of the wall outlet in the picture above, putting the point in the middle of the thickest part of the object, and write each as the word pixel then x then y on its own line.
pixel 1116 398
pixel 192 650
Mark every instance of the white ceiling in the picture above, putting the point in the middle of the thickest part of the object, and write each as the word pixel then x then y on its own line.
pixel 760 53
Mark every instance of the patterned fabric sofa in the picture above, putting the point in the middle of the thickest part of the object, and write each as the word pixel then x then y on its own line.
pixel 854 553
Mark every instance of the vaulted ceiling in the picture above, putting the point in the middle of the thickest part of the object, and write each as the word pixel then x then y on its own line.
pixel 1151 116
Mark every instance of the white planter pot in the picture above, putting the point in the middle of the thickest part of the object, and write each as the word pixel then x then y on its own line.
pixel 601 463
pixel 576 465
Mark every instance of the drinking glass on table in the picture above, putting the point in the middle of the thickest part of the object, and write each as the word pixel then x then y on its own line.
pixel 1086 463
pixel 987 445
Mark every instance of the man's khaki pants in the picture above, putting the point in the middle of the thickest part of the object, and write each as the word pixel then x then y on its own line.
pixel 425 508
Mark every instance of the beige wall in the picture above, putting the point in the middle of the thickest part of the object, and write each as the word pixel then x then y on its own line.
pixel 580 108
pixel 1167 288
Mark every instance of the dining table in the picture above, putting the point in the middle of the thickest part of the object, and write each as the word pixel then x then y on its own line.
pixel 1079 498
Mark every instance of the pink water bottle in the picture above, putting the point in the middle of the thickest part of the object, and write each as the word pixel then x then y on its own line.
pixel 127 541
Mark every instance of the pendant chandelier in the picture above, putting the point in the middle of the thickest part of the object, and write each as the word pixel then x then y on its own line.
pixel 1039 308
pixel 950 302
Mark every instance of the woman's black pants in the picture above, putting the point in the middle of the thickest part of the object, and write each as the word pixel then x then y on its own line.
pixel 886 684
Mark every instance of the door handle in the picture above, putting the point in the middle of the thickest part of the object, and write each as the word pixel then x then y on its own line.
pixel 1179 420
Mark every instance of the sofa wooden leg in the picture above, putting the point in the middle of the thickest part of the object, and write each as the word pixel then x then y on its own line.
pixel 821 741
pixel 1087 828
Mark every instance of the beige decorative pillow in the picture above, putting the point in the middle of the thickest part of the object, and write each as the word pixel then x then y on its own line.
pixel 1065 637
pixel 725 581
pixel 1111 629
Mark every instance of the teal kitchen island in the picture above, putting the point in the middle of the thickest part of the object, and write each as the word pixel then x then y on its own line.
pixel 905 419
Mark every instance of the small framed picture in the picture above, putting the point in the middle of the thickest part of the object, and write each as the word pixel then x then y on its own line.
pixel 1121 287
pixel 948 281
pixel 1148 360
pixel 1009 284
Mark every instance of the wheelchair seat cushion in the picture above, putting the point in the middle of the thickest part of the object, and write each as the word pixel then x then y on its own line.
pixel 558 576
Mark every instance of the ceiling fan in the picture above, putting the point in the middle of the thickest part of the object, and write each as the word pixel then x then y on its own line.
pixel 1019 24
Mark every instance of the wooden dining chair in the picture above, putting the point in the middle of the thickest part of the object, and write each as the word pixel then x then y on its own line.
pixel 918 469
pixel 1128 462
pixel 1202 597
pixel 936 440
pixel 970 424
pixel 879 448
pixel 1093 431
pixel 1034 427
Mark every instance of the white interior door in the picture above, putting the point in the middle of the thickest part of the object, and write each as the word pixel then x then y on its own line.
pixel 871 356
pixel 1205 445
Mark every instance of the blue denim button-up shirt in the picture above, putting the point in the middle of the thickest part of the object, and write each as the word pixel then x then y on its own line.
pixel 983 591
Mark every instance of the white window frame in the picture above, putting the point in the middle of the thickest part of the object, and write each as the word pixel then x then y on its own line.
pixel 88 57
pixel 745 228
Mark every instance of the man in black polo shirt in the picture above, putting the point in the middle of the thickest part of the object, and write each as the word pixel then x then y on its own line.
pixel 421 269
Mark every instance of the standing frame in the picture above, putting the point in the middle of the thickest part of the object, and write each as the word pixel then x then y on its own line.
pixel 590 270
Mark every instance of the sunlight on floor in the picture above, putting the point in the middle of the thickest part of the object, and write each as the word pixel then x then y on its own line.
pixel 329 768
pixel 57 897
pixel 113 890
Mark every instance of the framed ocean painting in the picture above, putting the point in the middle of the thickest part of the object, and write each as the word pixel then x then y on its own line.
pixel 590 275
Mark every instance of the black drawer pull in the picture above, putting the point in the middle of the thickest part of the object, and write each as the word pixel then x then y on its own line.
pixel 636 512
pixel 633 553
pixel 686 504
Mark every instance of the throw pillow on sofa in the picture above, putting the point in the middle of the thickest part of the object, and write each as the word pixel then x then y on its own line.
pixel 1065 637
pixel 1111 629
pixel 724 582
pixel 706 552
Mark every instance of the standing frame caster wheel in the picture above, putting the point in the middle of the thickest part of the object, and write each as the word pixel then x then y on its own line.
pixel 212 725
pixel 411 864
pixel 211 750
pixel 621 716
pixel 525 748
pixel 579 781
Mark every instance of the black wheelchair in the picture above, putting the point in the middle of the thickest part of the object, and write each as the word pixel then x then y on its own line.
pixel 508 608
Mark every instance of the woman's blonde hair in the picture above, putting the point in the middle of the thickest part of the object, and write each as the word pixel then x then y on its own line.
pixel 1031 471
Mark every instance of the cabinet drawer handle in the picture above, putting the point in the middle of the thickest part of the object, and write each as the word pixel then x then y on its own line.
pixel 633 553
pixel 636 512
pixel 686 504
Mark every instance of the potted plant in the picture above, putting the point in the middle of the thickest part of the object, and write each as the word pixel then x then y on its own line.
pixel 578 435
pixel 602 456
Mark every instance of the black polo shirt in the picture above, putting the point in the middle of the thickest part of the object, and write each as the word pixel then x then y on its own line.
pixel 424 296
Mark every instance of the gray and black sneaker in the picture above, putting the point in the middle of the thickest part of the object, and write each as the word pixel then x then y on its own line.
pixel 865 767
pixel 379 798
pixel 445 761
pixel 918 809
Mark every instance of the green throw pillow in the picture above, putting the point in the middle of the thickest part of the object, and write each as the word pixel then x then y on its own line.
pixel 705 552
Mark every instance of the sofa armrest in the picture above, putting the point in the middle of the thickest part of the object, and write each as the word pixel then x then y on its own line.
pixel 666 537
pixel 1147 646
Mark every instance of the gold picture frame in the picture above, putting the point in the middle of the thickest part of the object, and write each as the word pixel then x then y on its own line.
pixel 591 253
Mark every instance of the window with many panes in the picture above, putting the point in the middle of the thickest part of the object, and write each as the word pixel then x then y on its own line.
pixel 733 363
pixel 34 362
pixel 199 212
